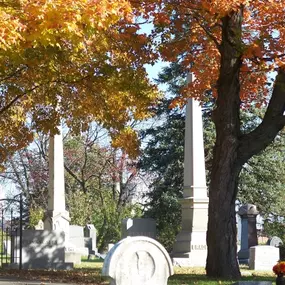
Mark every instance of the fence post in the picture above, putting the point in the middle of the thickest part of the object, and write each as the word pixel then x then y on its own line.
pixel 2 237
pixel 21 229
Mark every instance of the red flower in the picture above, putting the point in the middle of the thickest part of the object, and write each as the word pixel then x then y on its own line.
pixel 279 268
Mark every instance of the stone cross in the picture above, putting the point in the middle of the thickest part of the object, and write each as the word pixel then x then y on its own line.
pixel 190 248
pixel 57 218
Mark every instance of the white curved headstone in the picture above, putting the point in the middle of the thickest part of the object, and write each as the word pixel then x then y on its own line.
pixel 137 260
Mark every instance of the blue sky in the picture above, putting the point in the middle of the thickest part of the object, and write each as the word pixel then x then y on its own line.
pixel 153 71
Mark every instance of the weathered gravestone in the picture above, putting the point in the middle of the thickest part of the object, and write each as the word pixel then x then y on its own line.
pixel 263 257
pixel 137 260
pixel 90 238
pixel 110 245
pixel 139 227
pixel 248 213
pixel 75 248
pixel 42 249
pixel 275 241
pixel 40 225
pixel 76 238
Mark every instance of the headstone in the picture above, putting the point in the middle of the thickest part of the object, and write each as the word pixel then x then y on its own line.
pixel 77 243
pixel 42 249
pixel 137 260
pixel 139 227
pixel 72 256
pixel 90 238
pixel 56 218
pixel 263 257
pixel 40 225
pixel 190 248
pixel 76 236
pixel 110 245
pixel 275 241
pixel 248 215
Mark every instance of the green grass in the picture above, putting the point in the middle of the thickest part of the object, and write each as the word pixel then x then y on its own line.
pixel 195 275
pixel 89 272
pixel 198 276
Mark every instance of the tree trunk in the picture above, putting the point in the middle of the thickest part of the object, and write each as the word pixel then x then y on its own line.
pixel 222 233
pixel 233 149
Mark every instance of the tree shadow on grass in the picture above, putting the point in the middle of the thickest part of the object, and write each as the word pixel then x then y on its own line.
pixel 187 279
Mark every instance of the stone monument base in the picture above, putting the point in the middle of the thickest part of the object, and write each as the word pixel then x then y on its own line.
pixel 194 258
pixel 40 265
pixel 53 265
pixel 190 249
pixel 72 257
pixel 243 256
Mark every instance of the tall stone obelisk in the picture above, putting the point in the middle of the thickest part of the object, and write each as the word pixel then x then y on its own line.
pixel 190 248
pixel 57 218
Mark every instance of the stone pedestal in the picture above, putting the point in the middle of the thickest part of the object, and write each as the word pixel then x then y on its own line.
pixel 248 215
pixel 190 248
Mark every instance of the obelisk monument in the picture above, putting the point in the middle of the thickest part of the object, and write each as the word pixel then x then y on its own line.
pixel 190 248
pixel 56 218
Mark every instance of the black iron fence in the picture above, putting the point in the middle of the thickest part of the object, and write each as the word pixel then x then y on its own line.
pixel 11 211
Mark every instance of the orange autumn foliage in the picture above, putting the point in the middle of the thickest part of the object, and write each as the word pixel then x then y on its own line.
pixel 191 32
pixel 81 60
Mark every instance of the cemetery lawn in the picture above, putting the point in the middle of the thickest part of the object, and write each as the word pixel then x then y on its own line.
pixel 89 272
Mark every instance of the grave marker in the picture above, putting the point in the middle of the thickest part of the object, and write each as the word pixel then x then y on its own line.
pixel 275 241
pixel 56 218
pixel 248 213
pixel 190 247
pixel 43 249
pixel 139 227
pixel 138 260
pixel 263 257
pixel 90 238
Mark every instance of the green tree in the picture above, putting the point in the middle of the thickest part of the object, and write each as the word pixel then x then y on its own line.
pixel 100 181
pixel 261 179
pixel 162 160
